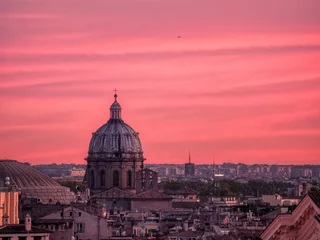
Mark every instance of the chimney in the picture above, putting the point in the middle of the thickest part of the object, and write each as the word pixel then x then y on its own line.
pixel 87 193
pixel 27 222
pixel 5 219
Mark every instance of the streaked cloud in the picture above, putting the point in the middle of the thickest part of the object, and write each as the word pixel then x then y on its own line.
pixel 241 83
pixel 40 59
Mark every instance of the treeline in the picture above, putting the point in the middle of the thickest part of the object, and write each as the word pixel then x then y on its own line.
pixel 57 170
pixel 230 187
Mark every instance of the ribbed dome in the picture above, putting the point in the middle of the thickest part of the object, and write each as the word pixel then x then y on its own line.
pixel 32 183
pixel 23 176
pixel 115 136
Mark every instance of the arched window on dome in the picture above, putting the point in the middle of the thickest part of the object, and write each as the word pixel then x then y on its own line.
pixel 129 179
pixel 115 178
pixel 92 179
pixel 102 178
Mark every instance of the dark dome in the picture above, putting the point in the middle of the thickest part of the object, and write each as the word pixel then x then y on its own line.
pixel 115 137
pixel 33 183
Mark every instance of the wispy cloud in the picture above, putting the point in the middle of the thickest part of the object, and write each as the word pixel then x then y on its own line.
pixel 65 58
pixel 241 82
pixel 311 122
pixel 27 16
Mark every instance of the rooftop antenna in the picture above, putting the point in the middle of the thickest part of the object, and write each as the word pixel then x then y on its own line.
pixel 213 168
pixel 142 177
pixel 273 186
pixel 189 157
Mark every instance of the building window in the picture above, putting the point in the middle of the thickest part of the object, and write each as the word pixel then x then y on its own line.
pixel 129 179
pixel 79 214
pixel 92 179
pixel 52 228
pixel 102 178
pixel 70 214
pixel 115 178
pixel 80 227
pixel 22 238
pixel 37 238
pixel 61 227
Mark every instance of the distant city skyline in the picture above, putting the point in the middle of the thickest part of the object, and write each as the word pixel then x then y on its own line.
pixel 214 77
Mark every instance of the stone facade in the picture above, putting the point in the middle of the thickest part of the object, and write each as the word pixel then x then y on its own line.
pixel 155 204
pixel 146 179
pixel 106 173
pixel 151 199
pixel 114 198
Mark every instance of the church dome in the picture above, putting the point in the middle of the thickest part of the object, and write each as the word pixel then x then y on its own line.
pixel 115 137
pixel 32 183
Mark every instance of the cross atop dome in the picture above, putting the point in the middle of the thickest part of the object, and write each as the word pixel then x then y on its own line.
pixel 115 94
pixel 115 109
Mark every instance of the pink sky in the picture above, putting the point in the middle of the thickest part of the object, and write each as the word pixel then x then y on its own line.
pixel 242 84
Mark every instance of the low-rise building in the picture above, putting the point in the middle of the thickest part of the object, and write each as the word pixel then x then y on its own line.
pixel 186 235
pixel 77 172
pixel 185 194
pixel 79 221
pixel 224 201
pixel 277 200
pixel 9 203
pixel 23 231
pixel 302 223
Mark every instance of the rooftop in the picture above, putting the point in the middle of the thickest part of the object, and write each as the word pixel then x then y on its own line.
pixel 151 194
pixel 20 228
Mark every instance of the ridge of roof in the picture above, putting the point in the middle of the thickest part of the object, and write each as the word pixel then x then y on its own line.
pixel 149 194
pixel 183 190
pixel 315 197
pixel 113 189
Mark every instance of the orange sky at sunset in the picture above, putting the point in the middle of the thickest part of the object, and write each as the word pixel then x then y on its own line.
pixel 241 84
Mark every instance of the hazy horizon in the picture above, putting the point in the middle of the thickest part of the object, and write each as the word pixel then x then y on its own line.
pixel 234 80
